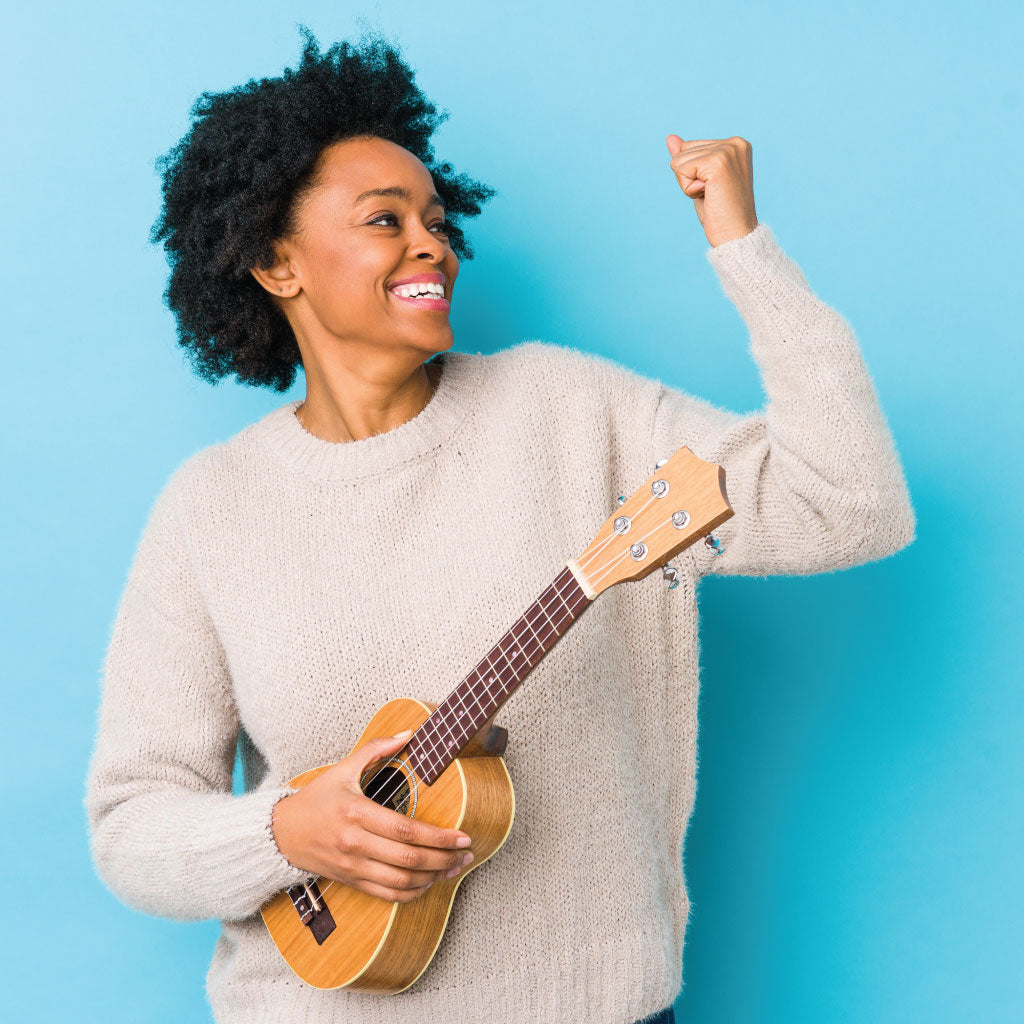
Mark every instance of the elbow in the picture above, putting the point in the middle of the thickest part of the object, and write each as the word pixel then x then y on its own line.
pixel 881 531
pixel 137 875
pixel 113 868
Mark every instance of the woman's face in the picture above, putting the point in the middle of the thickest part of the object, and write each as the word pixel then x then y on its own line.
pixel 335 273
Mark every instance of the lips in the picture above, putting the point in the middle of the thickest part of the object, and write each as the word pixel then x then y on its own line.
pixel 434 302
pixel 435 278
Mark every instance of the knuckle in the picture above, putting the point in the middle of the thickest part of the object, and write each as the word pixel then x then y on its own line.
pixel 401 880
pixel 402 830
pixel 346 841
pixel 412 858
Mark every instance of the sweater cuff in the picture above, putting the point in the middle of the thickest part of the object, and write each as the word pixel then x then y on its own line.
pixel 755 273
pixel 249 845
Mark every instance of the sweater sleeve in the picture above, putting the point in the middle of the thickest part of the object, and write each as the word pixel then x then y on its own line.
pixel 814 479
pixel 167 835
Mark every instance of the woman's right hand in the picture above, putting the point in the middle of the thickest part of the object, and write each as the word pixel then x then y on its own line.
pixel 331 828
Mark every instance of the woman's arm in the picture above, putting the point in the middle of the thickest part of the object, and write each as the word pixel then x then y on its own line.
pixel 167 835
pixel 814 480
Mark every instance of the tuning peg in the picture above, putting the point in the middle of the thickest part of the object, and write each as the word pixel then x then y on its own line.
pixel 714 543
pixel 659 464
pixel 670 573
pixel 621 499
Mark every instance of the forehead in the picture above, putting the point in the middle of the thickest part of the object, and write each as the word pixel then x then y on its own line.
pixel 354 165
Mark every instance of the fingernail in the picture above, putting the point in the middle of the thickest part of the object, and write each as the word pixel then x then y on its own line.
pixel 399 735
pixel 467 858
pixel 452 873
pixel 464 841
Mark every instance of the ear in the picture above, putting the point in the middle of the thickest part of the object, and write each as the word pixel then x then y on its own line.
pixel 278 279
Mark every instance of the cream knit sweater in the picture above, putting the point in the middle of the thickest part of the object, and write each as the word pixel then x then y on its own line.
pixel 285 587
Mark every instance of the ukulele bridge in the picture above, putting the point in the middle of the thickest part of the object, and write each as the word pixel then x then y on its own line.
pixel 312 910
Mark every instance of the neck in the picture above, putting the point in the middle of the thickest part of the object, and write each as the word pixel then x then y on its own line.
pixel 454 723
pixel 353 406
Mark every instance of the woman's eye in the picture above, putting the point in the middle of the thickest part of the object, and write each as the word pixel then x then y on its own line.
pixel 442 224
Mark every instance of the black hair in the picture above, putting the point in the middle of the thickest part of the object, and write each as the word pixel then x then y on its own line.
pixel 233 183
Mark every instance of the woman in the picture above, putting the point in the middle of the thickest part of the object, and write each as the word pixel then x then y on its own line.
pixel 374 540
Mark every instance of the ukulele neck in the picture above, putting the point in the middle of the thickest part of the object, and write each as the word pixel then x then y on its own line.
pixel 454 722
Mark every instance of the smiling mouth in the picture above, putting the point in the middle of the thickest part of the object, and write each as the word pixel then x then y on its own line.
pixel 435 302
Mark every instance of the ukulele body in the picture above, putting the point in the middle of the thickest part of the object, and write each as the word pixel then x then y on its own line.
pixel 376 945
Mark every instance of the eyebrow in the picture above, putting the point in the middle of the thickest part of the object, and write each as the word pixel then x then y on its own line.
pixel 400 192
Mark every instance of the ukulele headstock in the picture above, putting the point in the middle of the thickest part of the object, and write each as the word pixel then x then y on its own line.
pixel 683 500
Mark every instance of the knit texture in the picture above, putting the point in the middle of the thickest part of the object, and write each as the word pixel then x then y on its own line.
pixel 285 587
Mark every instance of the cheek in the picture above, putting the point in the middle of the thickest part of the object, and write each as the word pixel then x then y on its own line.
pixel 346 283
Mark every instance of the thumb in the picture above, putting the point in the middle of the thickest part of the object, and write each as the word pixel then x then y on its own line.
pixel 674 143
pixel 374 750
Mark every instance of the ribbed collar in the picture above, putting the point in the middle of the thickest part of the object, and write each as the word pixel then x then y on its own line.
pixel 292 444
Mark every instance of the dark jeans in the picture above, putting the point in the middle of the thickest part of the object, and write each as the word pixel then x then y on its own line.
pixel 665 1016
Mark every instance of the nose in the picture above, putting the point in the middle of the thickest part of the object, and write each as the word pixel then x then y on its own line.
pixel 426 244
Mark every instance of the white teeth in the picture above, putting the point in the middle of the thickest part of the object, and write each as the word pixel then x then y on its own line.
pixel 422 288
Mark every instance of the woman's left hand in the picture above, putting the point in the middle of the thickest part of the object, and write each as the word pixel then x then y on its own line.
pixel 718 175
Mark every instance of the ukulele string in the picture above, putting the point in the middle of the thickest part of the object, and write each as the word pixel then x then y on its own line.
pixel 403 804
pixel 604 569
pixel 498 674
pixel 599 574
pixel 609 566
pixel 401 778
pixel 613 534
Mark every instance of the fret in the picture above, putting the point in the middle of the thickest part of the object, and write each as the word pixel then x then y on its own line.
pixel 476 701
pixel 502 674
pixel 519 646
pixel 543 622
pixel 562 599
pixel 546 616
pixel 498 648
pixel 511 637
pixel 467 711
pixel 526 621
pixel 457 719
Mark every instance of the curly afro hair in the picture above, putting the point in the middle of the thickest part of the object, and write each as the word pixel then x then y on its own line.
pixel 234 182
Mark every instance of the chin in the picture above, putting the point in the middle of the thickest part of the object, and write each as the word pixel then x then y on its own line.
pixel 442 343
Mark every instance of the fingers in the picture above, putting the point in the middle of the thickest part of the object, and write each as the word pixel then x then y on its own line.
pixel 382 821
pixel 417 860
pixel 375 749
pixel 391 895
pixel 351 769
pixel 383 852
pixel 402 878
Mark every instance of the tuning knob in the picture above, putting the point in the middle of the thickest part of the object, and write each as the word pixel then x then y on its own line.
pixel 621 499
pixel 715 544
pixel 659 464
pixel 670 573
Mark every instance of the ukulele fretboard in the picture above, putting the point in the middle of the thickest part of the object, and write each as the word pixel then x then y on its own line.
pixel 455 721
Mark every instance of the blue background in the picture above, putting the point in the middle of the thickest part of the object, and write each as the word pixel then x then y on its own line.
pixel 855 851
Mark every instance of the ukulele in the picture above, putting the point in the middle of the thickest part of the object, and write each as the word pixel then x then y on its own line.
pixel 450 773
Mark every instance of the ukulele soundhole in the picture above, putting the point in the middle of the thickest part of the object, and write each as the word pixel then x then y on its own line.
pixel 390 787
